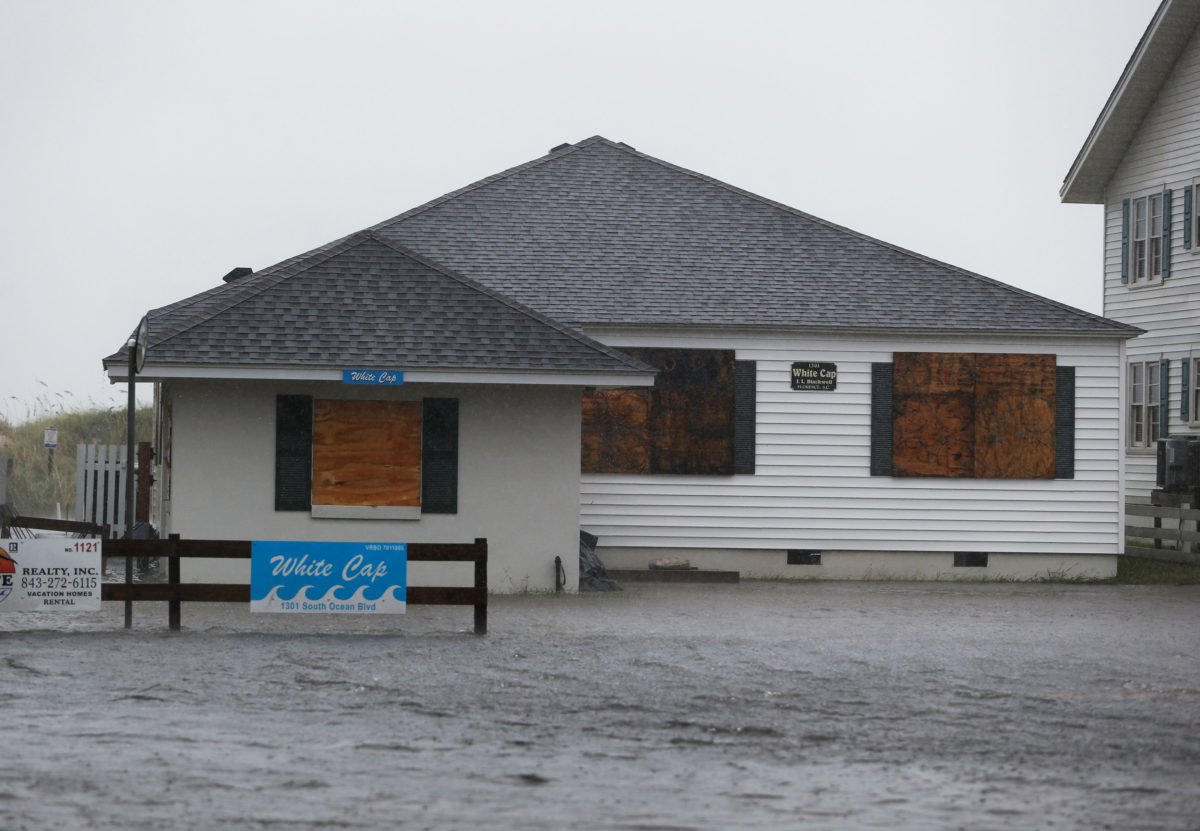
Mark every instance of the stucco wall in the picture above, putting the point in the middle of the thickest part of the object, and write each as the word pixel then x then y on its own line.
pixel 518 479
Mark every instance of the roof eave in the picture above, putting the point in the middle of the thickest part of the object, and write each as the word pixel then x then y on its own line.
pixel 1118 331
pixel 118 372
pixel 1156 53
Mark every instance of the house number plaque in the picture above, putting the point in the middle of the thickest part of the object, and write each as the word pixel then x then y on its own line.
pixel 814 375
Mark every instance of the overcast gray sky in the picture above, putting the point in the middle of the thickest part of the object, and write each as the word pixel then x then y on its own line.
pixel 149 147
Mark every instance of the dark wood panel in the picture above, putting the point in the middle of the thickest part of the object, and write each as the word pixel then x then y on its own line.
pixel 933 427
pixel 684 425
pixel 1015 416
pixel 240 549
pixel 445 552
pixel 208 549
pixel 616 431
pixel 193 592
pixel 446 595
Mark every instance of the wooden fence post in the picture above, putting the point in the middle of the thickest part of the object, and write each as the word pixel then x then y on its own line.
pixel 481 564
pixel 173 605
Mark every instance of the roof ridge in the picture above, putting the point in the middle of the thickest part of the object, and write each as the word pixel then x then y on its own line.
pixel 504 299
pixel 625 148
pixel 495 177
pixel 860 235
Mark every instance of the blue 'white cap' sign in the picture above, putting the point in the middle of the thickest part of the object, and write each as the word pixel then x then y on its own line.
pixel 376 377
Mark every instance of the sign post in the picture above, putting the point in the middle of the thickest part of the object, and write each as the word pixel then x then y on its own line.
pixel 50 442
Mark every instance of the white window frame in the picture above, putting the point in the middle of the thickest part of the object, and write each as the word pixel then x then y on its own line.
pixel 1142 429
pixel 1193 388
pixel 1145 239
pixel 1195 218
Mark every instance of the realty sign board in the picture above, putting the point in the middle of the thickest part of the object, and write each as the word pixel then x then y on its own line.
pixel 351 577
pixel 49 575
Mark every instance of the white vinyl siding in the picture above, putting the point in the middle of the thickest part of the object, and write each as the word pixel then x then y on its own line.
pixel 1164 154
pixel 813 489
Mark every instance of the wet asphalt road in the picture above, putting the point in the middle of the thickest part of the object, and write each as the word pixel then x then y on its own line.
pixel 760 705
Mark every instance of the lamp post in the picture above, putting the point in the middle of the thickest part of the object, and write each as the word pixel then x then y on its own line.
pixel 137 358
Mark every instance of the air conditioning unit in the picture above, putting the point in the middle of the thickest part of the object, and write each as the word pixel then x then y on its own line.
pixel 1178 468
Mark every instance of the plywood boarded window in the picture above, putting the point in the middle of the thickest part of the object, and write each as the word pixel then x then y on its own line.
pixel 366 453
pixel 987 416
pixel 684 424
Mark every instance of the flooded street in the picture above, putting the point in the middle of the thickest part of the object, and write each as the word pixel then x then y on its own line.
pixel 759 705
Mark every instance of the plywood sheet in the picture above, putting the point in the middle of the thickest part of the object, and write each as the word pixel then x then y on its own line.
pixel 616 431
pixel 1014 416
pixel 367 453
pixel 933 426
pixel 684 425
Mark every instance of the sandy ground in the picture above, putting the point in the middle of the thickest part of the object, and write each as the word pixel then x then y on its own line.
pixel 759 705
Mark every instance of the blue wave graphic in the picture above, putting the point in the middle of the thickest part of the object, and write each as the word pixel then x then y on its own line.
pixel 311 594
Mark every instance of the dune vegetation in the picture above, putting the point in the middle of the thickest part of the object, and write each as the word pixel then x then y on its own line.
pixel 34 486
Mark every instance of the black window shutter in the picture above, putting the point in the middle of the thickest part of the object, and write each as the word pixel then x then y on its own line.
pixel 439 456
pixel 1166 234
pixel 1164 397
pixel 1187 217
pixel 1185 386
pixel 881 419
pixel 1125 241
pixel 1064 422
pixel 745 392
pixel 293 452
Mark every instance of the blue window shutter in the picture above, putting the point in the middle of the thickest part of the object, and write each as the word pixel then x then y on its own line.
pixel 1064 422
pixel 439 456
pixel 881 419
pixel 1185 384
pixel 1164 397
pixel 293 452
pixel 1166 236
pixel 745 391
pixel 1125 241
pixel 1187 217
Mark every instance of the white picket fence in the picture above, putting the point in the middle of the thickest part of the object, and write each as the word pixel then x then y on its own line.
pixel 100 485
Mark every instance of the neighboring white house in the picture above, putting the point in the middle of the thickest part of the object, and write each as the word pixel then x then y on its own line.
pixel 1142 162
pixel 826 404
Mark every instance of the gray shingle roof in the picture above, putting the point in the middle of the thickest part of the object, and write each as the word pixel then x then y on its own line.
pixel 598 233
pixel 497 275
pixel 364 301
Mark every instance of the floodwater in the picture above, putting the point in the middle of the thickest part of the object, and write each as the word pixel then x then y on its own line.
pixel 759 705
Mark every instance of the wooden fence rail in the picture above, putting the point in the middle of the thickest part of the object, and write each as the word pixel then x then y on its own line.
pixel 64 526
pixel 1176 544
pixel 175 592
